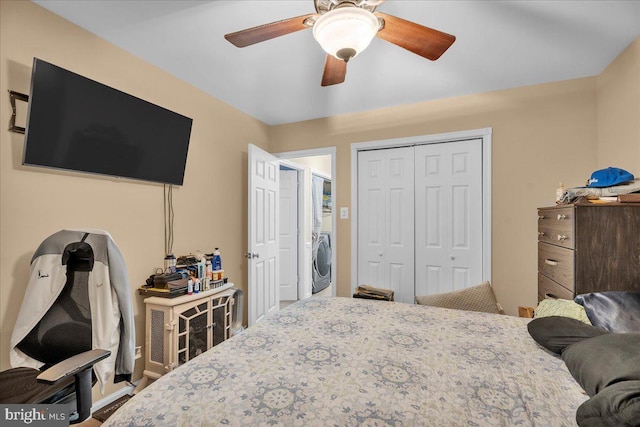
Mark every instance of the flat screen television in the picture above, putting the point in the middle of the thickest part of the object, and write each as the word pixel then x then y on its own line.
pixel 75 123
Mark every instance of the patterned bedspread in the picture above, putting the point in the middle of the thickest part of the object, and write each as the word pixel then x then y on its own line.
pixel 350 362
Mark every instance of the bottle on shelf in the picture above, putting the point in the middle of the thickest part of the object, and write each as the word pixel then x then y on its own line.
pixel 216 265
pixel 208 269
pixel 559 192
pixel 169 263
pixel 216 262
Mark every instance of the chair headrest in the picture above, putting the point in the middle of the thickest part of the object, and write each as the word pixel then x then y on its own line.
pixel 79 255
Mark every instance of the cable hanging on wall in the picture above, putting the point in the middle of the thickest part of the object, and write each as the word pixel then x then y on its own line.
pixel 168 218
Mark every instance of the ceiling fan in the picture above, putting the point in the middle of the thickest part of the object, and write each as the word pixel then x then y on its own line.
pixel 345 28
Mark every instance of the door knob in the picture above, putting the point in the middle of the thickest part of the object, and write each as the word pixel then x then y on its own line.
pixel 452 258
pixel 250 255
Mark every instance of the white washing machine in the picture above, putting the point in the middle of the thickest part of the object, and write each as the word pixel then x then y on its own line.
pixel 321 262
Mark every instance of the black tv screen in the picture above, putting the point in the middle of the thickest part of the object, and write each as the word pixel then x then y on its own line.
pixel 78 124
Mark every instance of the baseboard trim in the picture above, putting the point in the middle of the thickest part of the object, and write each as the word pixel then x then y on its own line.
pixel 112 397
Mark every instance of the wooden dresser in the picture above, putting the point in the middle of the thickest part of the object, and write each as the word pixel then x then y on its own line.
pixel 588 248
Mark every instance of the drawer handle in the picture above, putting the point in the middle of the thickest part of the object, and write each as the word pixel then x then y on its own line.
pixel 562 237
pixel 561 217
pixel 540 217
pixel 550 262
pixel 540 233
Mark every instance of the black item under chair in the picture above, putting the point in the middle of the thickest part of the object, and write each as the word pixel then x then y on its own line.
pixel 62 341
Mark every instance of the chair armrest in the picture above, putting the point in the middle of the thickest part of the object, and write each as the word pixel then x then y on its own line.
pixel 72 365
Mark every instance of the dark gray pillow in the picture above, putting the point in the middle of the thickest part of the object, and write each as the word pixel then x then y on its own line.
pixel 555 333
pixel 612 310
pixel 616 406
pixel 604 360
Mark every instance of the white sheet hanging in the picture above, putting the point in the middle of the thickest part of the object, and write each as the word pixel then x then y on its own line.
pixel 317 184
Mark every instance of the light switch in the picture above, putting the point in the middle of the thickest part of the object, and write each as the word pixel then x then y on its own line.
pixel 344 213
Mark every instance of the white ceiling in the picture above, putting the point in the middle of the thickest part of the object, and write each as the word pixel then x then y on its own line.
pixel 500 45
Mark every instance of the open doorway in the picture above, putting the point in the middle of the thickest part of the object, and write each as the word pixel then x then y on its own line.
pixel 317 242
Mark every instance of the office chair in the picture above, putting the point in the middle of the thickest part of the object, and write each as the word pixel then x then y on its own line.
pixel 62 341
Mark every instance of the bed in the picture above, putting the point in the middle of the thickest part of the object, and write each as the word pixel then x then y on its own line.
pixel 346 362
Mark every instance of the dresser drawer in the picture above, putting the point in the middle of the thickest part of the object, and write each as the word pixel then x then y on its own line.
pixel 557 226
pixel 557 264
pixel 547 286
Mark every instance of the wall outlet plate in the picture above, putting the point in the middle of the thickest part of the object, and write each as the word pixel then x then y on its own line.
pixel 138 352
pixel 344 213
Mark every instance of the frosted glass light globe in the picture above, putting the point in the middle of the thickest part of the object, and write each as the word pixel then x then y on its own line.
pixel 345 32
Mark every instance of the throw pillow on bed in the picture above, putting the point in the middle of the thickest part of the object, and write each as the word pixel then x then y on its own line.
pixel 476 298
pixel 615 406
pixel 555 333
pixel 614 311
pixel 561 307
pixel 608 369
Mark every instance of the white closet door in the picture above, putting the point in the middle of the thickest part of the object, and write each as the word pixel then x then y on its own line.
pixel 448 216
pixel 385 220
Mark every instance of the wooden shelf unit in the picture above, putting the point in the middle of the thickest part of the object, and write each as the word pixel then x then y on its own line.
pixel 179 329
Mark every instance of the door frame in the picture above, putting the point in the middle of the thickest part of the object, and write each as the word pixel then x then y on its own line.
pixel 483 134
pixel 325 151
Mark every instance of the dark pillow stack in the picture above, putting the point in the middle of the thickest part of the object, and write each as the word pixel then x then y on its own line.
pixel 606 365
pixel 608 369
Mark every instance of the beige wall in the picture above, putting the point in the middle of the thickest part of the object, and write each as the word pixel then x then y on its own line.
pixel 210 209
pixel 619 112
pixel 541 135
pixel 318 163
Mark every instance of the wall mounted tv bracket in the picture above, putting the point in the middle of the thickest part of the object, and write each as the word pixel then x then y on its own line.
pixel 12 122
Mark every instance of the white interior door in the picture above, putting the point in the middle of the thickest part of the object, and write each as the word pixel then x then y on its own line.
pixel 263 274
pixel 385 220
pixel 448 216
pixel 288 235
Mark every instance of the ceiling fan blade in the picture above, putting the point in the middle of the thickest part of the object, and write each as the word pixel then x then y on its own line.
pixel 423 41
pixel 335 71
pixel 269 31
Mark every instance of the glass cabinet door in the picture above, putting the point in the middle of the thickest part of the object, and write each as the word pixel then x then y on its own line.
pixel 193 332
pixel 221 309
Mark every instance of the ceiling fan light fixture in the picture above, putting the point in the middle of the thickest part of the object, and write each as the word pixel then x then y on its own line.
pixel 346 31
